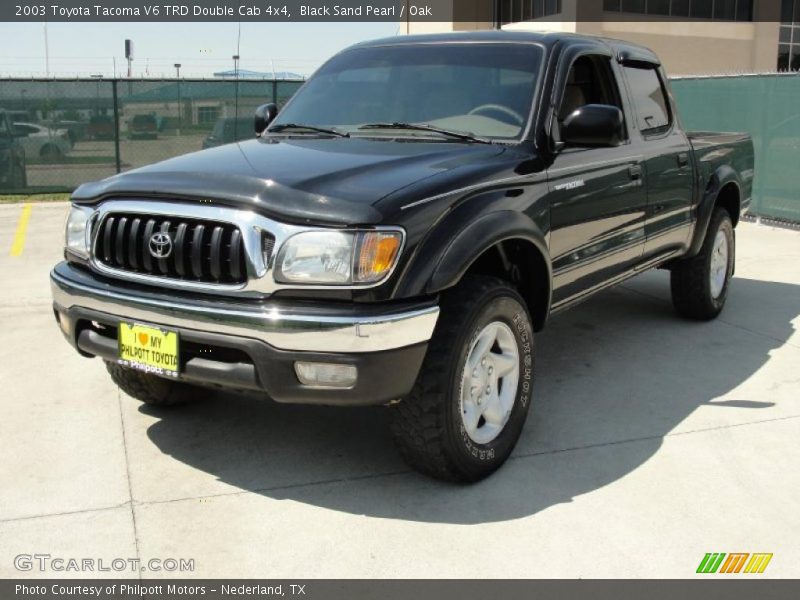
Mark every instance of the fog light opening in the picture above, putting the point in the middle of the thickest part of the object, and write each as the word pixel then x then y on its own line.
pixel 64 322
pixel 326 375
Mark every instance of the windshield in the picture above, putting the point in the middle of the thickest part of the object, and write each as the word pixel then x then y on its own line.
pixel 482 89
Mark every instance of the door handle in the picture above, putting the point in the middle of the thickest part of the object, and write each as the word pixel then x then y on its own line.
pixel 635 171
pixel 683 159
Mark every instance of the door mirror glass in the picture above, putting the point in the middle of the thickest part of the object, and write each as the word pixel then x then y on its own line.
pixel 594 125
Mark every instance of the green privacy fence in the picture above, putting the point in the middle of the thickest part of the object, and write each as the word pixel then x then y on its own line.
pixel 768 108
pixel 73 131
pixel 83 130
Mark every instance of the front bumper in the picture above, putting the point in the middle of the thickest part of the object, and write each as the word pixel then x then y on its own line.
pixel 254 344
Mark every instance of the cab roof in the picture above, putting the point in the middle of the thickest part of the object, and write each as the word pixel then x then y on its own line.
pixel 548 39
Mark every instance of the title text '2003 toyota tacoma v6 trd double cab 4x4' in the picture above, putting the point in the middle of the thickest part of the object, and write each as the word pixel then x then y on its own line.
pixel 399 231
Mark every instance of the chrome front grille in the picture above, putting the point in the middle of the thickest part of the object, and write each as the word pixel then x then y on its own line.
pixel 191 249
pixel 233 253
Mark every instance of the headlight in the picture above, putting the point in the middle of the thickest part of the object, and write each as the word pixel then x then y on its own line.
pixel 338 257
pixel 77 236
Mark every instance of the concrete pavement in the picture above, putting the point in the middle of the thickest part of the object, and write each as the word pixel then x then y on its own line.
pixel 652 440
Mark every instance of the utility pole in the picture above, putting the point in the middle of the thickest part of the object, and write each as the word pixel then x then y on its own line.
pixel 46 52
pixel 178 83
pixel 129 56
pixel 236 91
pixel 97 77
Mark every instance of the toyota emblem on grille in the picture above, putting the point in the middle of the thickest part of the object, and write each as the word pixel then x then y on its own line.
pixel 160 245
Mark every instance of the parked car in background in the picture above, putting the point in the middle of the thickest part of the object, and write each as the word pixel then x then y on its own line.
pixel 43 142
pixel 12 156
pixel 101 127
pixel 76 130
pixel 229 129
pixel 143 127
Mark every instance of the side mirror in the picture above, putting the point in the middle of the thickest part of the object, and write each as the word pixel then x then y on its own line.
pixel 594 125
pixel 265 114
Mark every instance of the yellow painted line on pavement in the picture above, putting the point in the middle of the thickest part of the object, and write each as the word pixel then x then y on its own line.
pixel 22 228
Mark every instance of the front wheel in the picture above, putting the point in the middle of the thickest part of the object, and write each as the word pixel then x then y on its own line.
pixel 700 284
pixel 469 404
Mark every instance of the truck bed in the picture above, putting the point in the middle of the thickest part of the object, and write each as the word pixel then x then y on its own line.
pixel 712 149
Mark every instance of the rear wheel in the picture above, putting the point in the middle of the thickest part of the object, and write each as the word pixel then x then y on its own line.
pixel 700 284
pixel 469 404
pixel 150 389
pixel 50 151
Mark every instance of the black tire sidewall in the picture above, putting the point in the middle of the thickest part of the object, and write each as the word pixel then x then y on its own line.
pixel 150 389
pixel 477 460
pixel 50 151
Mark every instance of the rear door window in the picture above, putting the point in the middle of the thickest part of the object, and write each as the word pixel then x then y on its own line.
pixel 649 98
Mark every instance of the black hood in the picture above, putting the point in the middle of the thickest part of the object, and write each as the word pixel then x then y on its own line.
pixel 320 180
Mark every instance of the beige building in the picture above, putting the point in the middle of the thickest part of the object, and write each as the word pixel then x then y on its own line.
pixel 692 37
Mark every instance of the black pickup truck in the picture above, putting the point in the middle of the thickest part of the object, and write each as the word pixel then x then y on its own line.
pixel 400 230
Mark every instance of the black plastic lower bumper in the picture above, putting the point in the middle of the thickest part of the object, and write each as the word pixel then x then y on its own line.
pixel 249 364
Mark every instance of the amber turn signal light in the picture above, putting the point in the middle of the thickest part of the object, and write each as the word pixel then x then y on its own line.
pixel 376 255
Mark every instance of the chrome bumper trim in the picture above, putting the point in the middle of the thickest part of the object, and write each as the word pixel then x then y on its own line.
pixel 282 330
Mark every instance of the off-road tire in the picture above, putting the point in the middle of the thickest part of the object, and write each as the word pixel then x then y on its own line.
pixel 427 425
pixel 690 278
pixel 151 389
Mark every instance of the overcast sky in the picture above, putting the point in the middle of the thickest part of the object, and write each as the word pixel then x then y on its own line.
pixel 202 48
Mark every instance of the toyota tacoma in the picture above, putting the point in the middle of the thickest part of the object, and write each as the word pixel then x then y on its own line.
pixel 399 232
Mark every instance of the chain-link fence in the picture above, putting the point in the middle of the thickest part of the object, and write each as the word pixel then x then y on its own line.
pixel 57 134
pixel 83 130
pixel 768 108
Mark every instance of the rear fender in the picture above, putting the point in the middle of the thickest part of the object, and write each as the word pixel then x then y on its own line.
pixel 721 177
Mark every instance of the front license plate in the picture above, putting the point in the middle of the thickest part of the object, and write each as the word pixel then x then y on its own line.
pixel 148 349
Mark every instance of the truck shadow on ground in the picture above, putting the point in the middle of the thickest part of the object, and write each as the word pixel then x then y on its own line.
pixel 614 376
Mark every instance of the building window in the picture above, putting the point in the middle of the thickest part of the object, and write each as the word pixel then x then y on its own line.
pixel 789 39
pixel 717 10
pixel 207 114
pixel 514 11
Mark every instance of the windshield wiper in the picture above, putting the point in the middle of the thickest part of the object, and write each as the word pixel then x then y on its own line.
pixel 309 128
pixel 426 127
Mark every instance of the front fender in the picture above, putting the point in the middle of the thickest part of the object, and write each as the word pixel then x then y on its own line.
pixel 478 237
pixel 457 242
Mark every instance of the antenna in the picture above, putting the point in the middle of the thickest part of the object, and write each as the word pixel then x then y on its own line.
pixel 46 52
